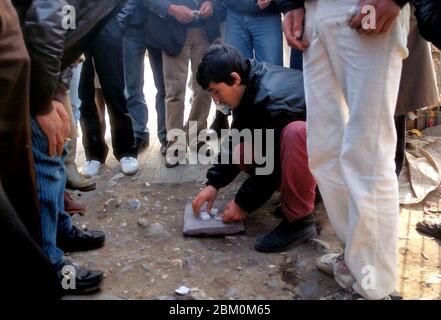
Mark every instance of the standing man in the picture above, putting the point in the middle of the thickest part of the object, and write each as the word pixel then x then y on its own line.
pixel 26 268
pixel 135 45
pixel 356 65
pixel 52 48
pixel 183 29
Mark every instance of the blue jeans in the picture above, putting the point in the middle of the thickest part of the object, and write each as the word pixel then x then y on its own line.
pixel 51 180
pixel 257 37
pixel 73 92
pixel 134 48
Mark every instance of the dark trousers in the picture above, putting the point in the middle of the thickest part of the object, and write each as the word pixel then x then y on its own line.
pixel 296 59
pixel 24 268
pixel 105 56
pixel 400 126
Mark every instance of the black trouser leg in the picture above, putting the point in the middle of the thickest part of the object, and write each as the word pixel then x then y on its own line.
pixel 108 59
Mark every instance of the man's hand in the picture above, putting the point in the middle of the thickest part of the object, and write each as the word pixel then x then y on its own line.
pixel 182 13
pixel 206 9
pixel 293 29
pixel 233 212
pixel 56 127
pixel 209 194
pixel 386 11
pixel 263 3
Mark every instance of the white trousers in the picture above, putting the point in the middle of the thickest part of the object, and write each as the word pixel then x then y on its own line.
pixel 351 86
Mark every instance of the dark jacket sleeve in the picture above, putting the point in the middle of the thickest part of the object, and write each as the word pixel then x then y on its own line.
pixel 44 36
pixel 222 174
pixel 257 189
pixel 288 5
pixel 158 7
pixel 63 85
pixel 428 14
pixel 126 12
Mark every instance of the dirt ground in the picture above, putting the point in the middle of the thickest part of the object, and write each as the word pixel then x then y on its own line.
pixel 146 255
pixel 145 262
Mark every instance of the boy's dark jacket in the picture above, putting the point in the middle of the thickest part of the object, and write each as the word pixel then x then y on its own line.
pixel 274 97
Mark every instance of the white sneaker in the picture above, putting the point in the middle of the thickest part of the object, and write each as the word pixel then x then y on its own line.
pixel 91 168
pixel 129 165
pixel 334 265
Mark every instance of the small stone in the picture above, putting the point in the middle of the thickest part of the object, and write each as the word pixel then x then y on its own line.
pixel 143 222
pixel 117 176
pixel 134 205
pixel 182 290
pixel 118 203
pixel 157 229
pixel 239 268
pixel 108 202
pixel 435 279
pixel 124 224
pixel 164 276
pixel 272 266
pixel 146 267
pixel 204 216
pixel 111 184
pixel 177 263
pixel 147 184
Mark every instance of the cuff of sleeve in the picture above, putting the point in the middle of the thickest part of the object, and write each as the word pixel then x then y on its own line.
pixel 244 203
pixel 60 93
pixel 213 184
pixel 292 6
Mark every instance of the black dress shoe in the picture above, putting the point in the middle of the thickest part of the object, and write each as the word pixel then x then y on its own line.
pixel 77 280
pixel 78 240
pixel 287 235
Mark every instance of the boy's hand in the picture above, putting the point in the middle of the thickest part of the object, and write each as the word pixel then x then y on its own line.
pixel 209 194
pixel 233 212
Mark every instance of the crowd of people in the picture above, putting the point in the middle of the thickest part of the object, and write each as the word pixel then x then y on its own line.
pixel 347 79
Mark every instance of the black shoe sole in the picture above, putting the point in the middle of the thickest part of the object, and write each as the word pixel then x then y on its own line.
pixel 303 240
pixel 81 248
pixel 83 189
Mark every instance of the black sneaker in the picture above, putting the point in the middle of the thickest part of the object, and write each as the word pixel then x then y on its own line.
pixel 287 235
pixel 78 240
pixel 430 228
pixel 76 280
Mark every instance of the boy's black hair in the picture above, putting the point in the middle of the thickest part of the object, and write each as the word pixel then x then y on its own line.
pixel 219 62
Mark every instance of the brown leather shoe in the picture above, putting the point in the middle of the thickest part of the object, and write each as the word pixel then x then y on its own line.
pixel 72 207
